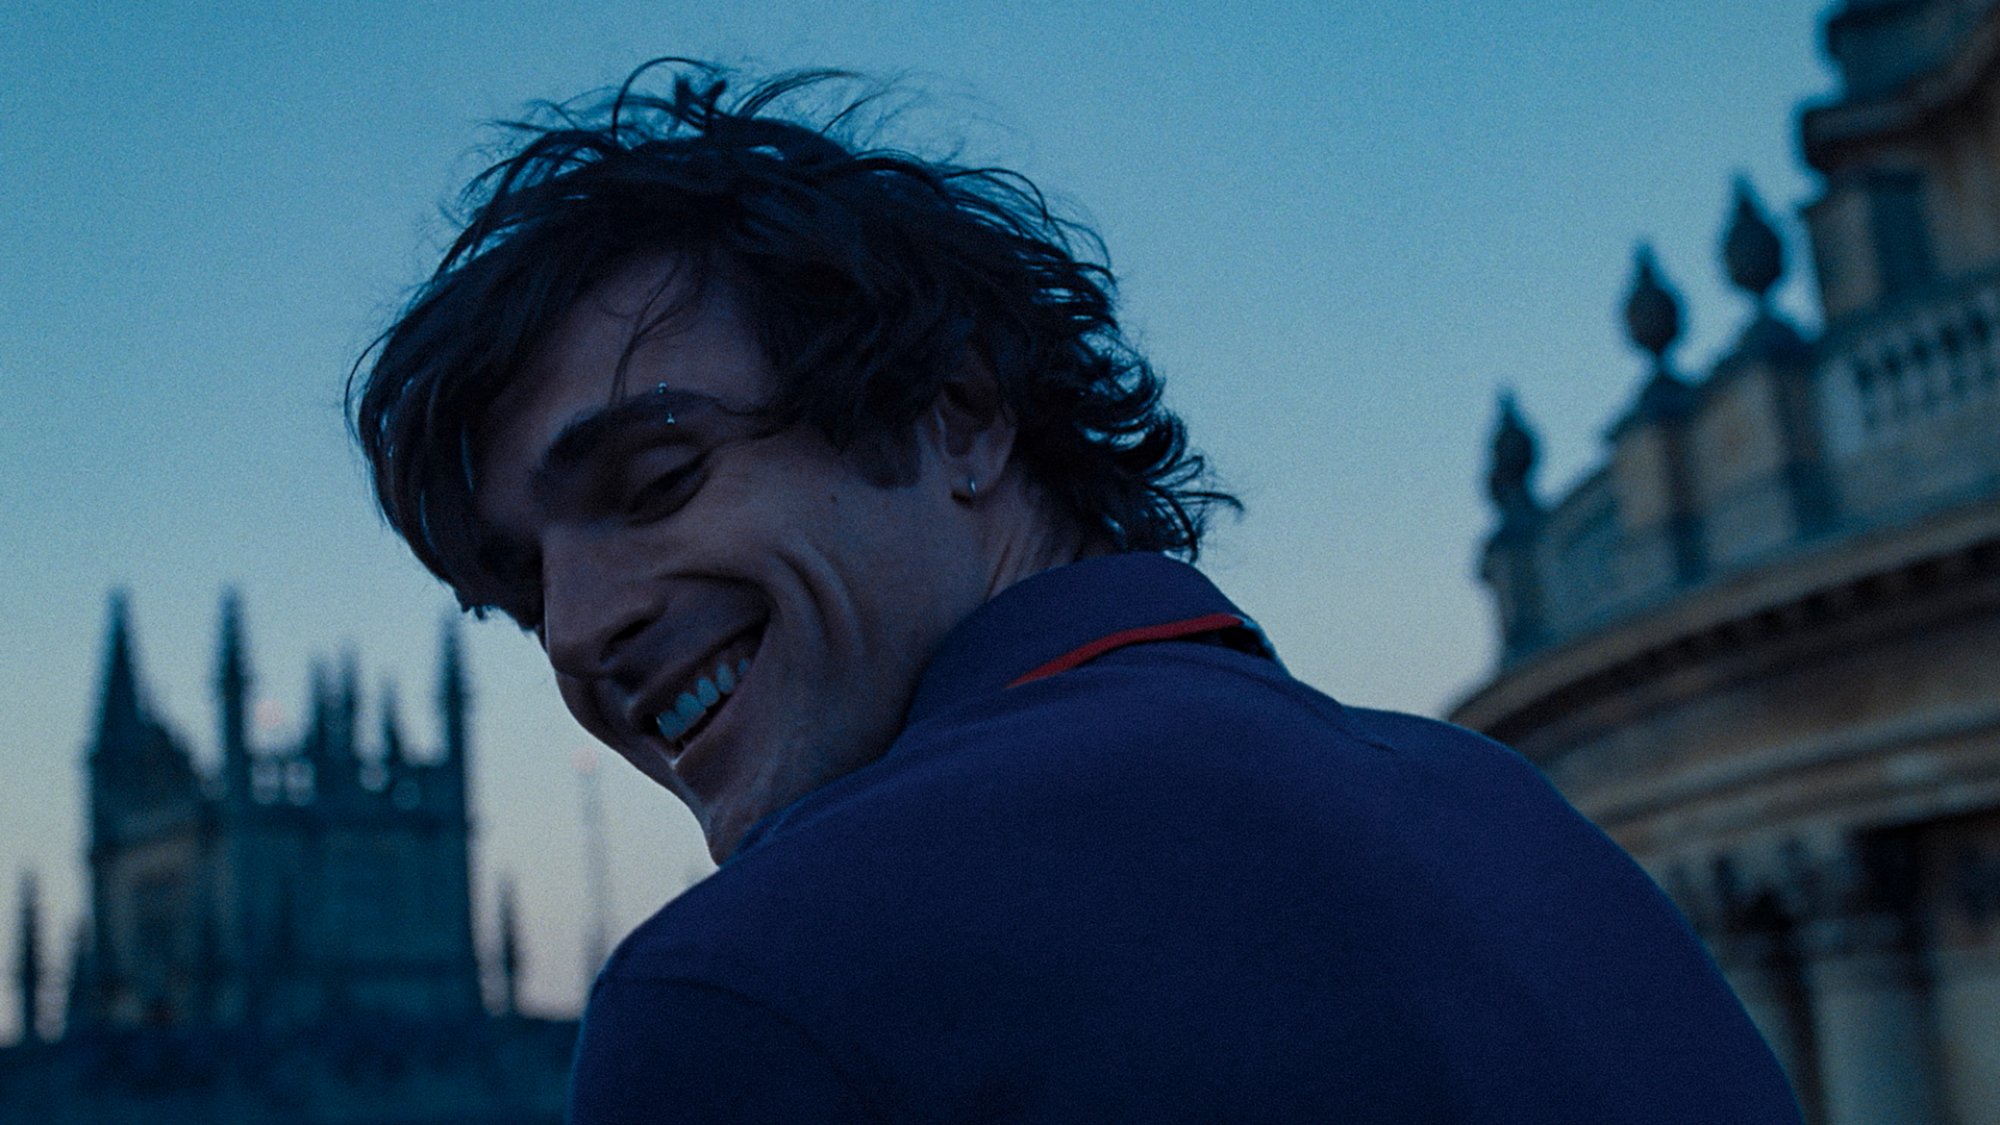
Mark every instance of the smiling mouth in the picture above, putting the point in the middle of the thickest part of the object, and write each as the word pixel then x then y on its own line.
pixel 699 701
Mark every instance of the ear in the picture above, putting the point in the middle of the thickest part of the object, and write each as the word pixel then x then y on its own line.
pixel 973 433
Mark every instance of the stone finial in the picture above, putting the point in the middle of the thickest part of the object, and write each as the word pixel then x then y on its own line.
pixel 1509 480
pixel 1751 251
pixel 1652 311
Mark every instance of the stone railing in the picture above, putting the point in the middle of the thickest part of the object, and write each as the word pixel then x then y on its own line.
pixel 1914 364
pixel 1909 406
pixel 1896 418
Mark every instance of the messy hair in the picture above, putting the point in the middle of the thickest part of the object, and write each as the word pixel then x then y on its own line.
pixel 868 277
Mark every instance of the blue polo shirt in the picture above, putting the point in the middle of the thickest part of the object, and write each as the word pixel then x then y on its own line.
pixel 1120 866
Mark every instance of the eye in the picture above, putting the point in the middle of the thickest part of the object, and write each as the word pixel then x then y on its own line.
pixel 663 493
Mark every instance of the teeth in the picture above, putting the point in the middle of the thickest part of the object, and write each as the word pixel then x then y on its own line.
pixel 692 705
pixel 676 722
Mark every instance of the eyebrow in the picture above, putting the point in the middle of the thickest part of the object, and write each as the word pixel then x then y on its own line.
pixel 585 434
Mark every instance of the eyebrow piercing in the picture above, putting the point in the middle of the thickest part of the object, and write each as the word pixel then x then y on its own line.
pixel 661 389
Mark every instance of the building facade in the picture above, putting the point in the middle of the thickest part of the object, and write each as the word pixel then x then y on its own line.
pixel 286 937
pixel 1760 644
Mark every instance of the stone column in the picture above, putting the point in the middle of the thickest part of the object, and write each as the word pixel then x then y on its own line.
pixel 1752 928
pixel 1873 1019
pixel 1766 972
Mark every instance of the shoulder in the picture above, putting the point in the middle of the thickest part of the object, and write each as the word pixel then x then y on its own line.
pixel 1239 730
pixel 1060 865
pixel 1161 750
pixel 709 1053
pixel 1170 694
pixel 1207 740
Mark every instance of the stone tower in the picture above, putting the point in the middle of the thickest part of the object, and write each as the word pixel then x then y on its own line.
pixel 300 882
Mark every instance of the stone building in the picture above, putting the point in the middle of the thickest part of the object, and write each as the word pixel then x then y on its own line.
pixel 1760 643
pixel 287 937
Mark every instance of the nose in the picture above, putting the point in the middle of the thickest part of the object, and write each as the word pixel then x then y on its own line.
pixel 592 606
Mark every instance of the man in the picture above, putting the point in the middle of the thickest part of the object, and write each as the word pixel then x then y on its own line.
pixel 843 511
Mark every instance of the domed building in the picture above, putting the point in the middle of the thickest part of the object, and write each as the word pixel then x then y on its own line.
pixel 1760 643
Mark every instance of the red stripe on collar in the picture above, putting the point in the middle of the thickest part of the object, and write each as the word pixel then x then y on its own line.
pixel 1166 631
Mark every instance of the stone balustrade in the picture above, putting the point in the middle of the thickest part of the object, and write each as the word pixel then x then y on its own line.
pixel 1909 405
pixel 1883 378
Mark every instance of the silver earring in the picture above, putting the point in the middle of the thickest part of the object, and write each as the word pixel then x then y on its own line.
pixel 972 488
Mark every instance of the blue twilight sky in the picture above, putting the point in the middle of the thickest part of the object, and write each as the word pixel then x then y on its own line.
pixel 1340 228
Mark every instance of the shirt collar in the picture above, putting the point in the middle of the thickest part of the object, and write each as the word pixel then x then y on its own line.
pixel 1044 625
pixel 1067 616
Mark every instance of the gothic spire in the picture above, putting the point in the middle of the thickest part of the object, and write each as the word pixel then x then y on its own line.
pixel 1509 481
pixel 28 962
pixel 121 719
pixel 454 698
pixel 510 951
pixel 347 707
pixel 319 726
pixel 81 1009
pixel 1751 251
pixel 232 690
pixel 232 668
pixel 394 754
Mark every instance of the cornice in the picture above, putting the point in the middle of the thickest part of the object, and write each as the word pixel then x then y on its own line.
pixel 1624 805
pixel 1802 592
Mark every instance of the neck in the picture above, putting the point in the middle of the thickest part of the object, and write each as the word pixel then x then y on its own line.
pixel 1031 537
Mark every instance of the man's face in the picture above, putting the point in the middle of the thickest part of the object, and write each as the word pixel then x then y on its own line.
pixel 736 610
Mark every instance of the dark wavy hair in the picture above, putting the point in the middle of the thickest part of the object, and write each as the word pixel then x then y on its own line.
pixel 866 275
